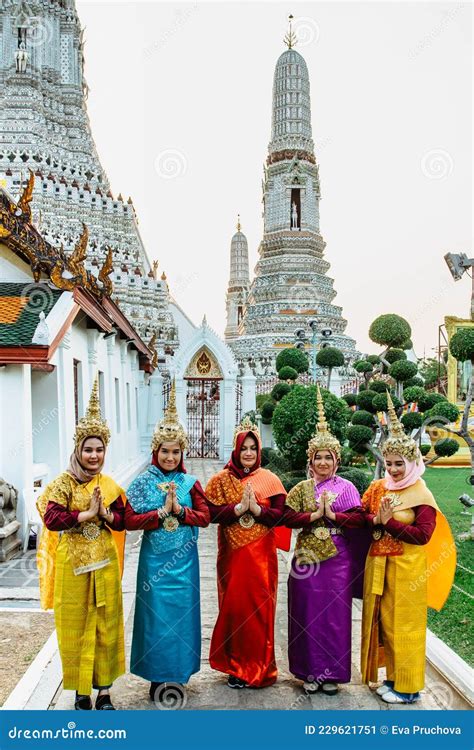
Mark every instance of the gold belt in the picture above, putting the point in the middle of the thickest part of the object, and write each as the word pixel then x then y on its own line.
pixel 324 532
pixel 89 530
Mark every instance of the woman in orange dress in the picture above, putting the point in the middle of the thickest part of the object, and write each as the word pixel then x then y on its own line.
pixel 247 502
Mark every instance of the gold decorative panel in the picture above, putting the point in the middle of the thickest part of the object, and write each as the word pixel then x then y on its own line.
pixel 203 365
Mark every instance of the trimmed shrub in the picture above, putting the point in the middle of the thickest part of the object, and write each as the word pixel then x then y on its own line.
pixel 395 355
pixel 267 412
pixel 446 447
pixel 363 417
pixel 403 370
pixel 280 390
pixel 416 381
pixel 461 345
pixel 358 436
pixel 390 330
pixel 413 394
pixel 350 399
pixel 428 400
pixel 412 420
pixel 359 478
pixel 287 373
pixel 380 402
pixel 425 449
pixel 378 386
pixel 295 358
pixel 365 400
pixel 446 412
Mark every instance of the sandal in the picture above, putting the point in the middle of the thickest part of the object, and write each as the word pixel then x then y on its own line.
pixel 103 703
pixel 311 687
pixel 82 703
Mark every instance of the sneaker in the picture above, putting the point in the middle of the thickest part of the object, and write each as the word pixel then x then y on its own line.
pixel 384 687
pixel 234 682
pixel 391 696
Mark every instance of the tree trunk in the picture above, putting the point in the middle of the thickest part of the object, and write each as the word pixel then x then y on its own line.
pixel 329 377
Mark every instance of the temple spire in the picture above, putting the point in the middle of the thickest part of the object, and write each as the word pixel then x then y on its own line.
pixel 238 223
pixel 290 37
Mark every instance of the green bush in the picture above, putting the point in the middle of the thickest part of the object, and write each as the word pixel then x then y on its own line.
pixel 295 358
pixel 425 449
pixel 365 400
pixel 407 345
pixel 359 478
pixel 428 400
pixel 402 370
pixel 412 420
pixel 347 456
pixel 287 373
pixel 280 390
pixel 363 387
pixel 359 435
pixel 261 399
pixel 295 417
pixel 416 381
pixel 330 356
pixel 390 330
pixel 413 394
pixel 266 456
pixel 350 399
pixel 289 482
pixel 444 410
pixel 278 463
pixel 461 345
pixel 395 355
pixel 378 386
pixel 380 402
pixel 374 359
pixel 363 417
pixel 446 447
pixel 363 365
pixel 267 412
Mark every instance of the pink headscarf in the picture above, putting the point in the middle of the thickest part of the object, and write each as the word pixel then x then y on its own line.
pixel 413 472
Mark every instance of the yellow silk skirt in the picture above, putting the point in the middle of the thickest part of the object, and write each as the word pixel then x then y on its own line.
pixel 394 618
pixel 89 621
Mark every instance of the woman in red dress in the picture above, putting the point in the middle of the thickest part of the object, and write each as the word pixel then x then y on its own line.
pixel 247 502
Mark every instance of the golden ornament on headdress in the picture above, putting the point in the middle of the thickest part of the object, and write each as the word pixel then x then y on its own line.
pixel 323 439
pixel 398 441
pixel 247 425
pixel 170 429
pixel 92 424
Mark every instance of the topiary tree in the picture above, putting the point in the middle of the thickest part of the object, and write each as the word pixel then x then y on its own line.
pixel 378 386
pixel 364 400
pixel 295 417
pixel 414 381
pixel 329 358
pixel 295 358
pixel 267 412
pixel 401 371
pixel 390 331
pixel 280 390
pixel 443 448
pixel 395 355
pixel 350 399
pixel 412 420
pixel 287 373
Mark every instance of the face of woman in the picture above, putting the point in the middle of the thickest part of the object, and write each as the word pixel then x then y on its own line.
pixel 93 454
pixel 323 464
pixel 395 466
pixel 248 452
pixel 169 456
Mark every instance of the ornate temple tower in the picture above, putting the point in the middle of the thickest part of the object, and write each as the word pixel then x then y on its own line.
pixel 44 127
pixel 239 283
pixel 290 287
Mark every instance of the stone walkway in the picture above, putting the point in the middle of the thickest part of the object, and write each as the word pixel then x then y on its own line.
pixel 208 690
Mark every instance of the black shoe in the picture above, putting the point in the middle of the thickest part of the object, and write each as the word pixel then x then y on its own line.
pixel 329 688
pixel 103 703
pixel 82 703
pixel 153 688
pixel 234 682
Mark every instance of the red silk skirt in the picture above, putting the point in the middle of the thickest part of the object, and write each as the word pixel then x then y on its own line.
pixel 243 641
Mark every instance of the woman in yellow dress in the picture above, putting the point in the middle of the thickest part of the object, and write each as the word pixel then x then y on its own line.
pixel 410 566
pixel 78 561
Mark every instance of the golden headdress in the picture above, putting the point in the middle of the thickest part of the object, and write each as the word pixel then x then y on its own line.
pixel 323 439
pixel 92 424
pixel 170 429
pixel 247 425
pixel 398 441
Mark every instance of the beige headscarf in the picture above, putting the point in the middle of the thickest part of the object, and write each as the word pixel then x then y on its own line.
pixel 76 469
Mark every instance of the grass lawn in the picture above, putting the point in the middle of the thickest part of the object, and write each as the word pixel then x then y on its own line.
pixel 454 623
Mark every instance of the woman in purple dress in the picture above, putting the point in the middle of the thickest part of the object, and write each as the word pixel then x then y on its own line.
pixel 326 567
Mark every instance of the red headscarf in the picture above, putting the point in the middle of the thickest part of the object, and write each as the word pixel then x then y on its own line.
pixel 234 465
pixel 154 462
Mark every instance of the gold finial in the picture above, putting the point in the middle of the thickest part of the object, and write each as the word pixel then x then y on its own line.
pixel 290 38
pixel 246 425
pixel 238 222
pixel 171 413
pixel 323 439
pixel 92 424
pixel 322 425
pixel 396 428
pixel 155 268
pixel 163 276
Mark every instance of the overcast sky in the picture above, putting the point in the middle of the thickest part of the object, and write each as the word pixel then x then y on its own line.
pixel 180 107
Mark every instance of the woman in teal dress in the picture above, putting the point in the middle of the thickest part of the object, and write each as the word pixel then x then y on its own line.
pixel 169 505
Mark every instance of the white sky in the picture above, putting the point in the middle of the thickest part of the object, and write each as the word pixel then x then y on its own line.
pixel 391 92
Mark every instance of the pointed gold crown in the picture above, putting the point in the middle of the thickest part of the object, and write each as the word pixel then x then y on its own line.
pixel 247 425
pixel 323 439
pixel 170 429
pixel 398 441
pixel 92 424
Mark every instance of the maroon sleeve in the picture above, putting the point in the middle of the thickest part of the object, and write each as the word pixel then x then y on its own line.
pixel 137 521
pixel 272 515
pixel 223 514
pixel 59 518
pixel 351 519
pixel 420 531
pixel 294 519
pixel 118 509
pixel 199 514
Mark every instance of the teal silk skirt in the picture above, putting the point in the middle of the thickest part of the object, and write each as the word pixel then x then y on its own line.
pixel 166 644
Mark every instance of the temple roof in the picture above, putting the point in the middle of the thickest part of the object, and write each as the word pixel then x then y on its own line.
pixel 291 108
